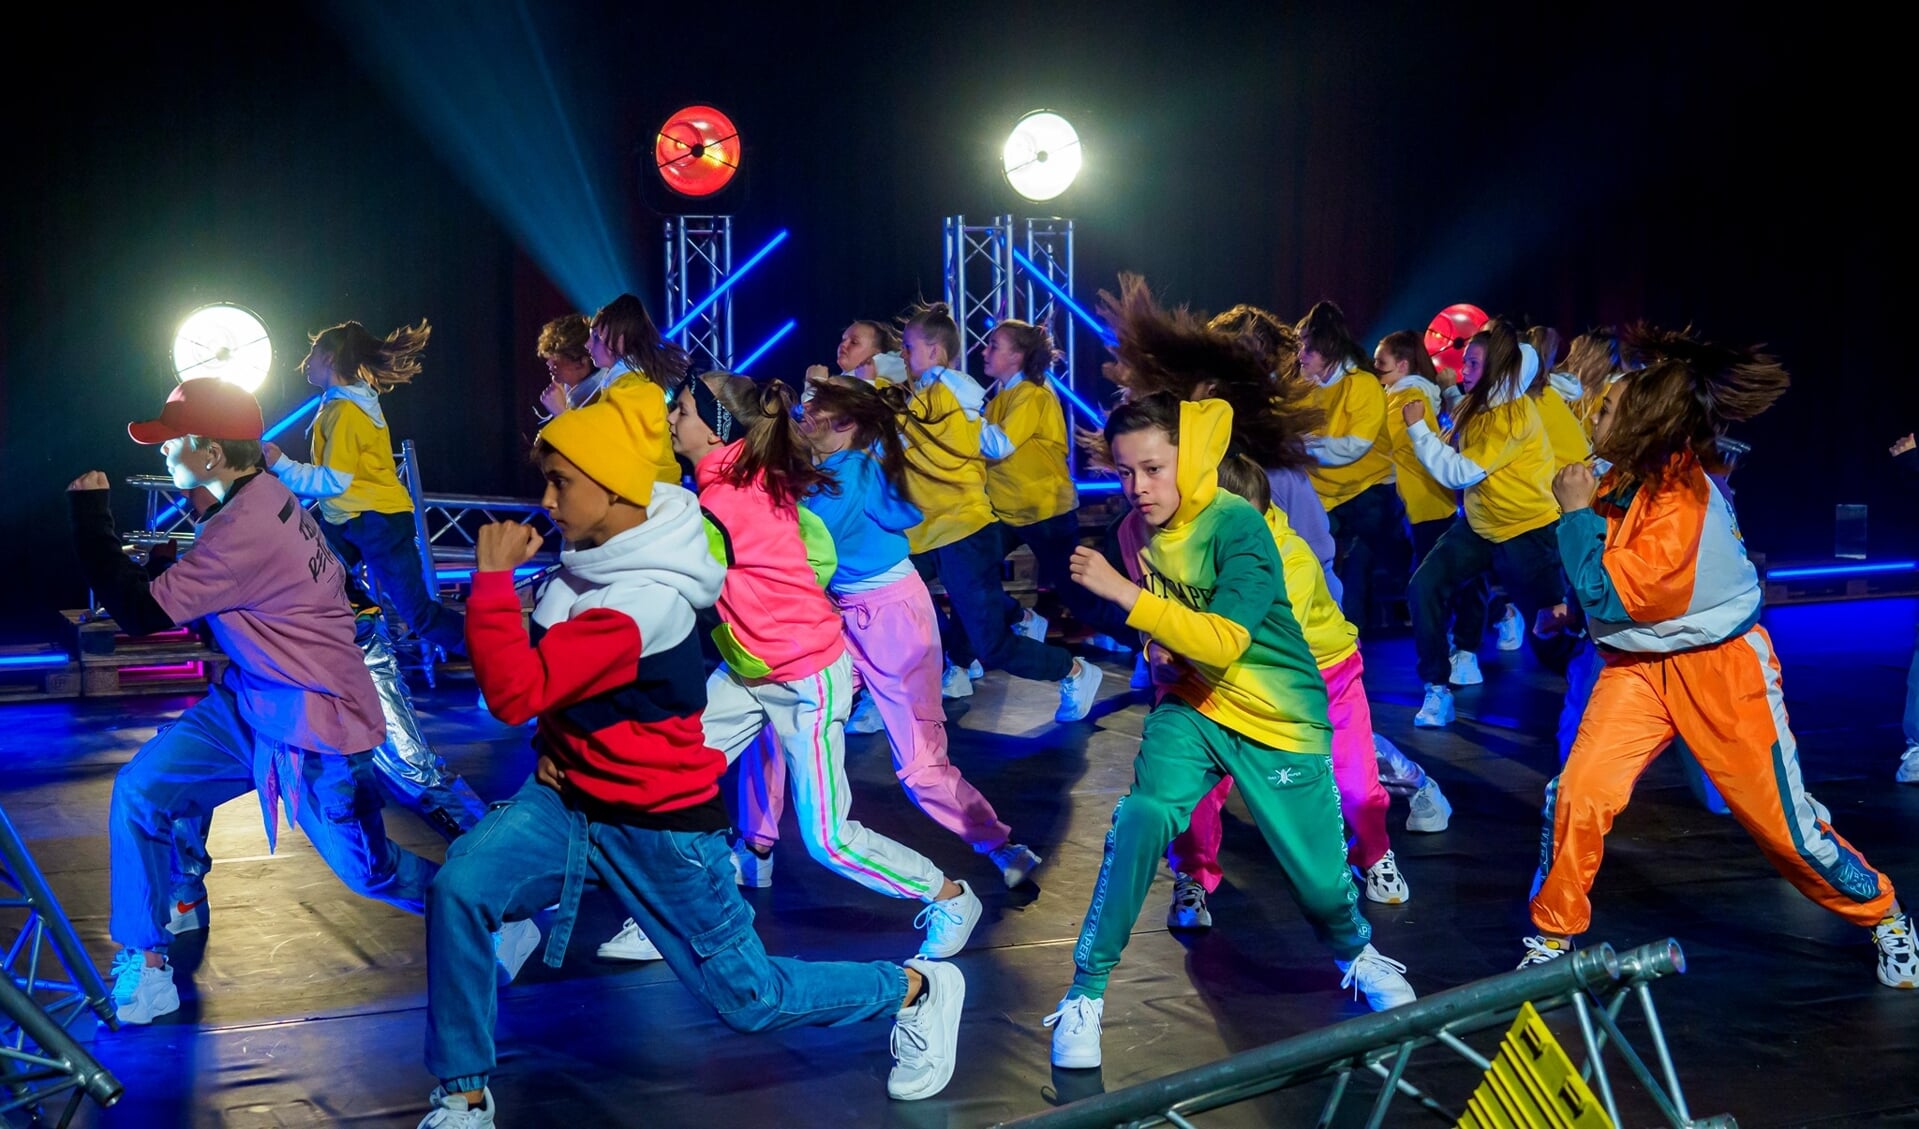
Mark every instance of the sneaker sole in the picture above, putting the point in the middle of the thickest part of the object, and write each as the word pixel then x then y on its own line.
pixel 131 1014
pixel 1196 925
pixel 1388 901
pixel 1077 1062
pixel 1425 828
pixel 607 952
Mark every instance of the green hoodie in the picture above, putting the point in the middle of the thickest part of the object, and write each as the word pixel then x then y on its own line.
pixel 1215 594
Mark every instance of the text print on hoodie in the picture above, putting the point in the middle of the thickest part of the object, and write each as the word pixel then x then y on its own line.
pixel 612 669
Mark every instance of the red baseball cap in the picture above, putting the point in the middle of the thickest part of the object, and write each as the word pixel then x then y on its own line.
pixel 208 407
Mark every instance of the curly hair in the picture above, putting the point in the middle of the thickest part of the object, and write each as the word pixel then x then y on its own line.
pixel 1681 403
pixel 564 336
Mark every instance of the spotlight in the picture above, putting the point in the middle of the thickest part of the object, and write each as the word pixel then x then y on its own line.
pixel 225 341
pixel 697 151
pixel 1448 332
pixel 1042 155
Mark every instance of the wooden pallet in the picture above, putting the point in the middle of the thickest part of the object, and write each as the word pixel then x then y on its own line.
pixel 38 683
pixel 180 669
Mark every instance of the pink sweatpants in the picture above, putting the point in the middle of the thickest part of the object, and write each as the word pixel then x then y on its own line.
pixel 895 647
pixel 1362 799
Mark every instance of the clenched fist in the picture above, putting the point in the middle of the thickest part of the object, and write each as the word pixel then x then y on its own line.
pixel 92 480
pixel 1574 486
pixel 1413 410
pixel 505 545
pixel 1093 572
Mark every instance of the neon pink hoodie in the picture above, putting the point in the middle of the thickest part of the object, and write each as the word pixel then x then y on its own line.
pixel 777 621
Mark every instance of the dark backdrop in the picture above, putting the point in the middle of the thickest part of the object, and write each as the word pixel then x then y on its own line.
pixel 1578 167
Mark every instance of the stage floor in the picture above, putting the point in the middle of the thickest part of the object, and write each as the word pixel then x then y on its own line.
pixel 306 1005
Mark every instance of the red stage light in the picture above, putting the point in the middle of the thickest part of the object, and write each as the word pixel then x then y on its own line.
pixel 697 151
pixel 1448 332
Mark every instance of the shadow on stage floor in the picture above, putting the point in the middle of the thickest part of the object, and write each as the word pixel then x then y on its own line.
pixel 304 1004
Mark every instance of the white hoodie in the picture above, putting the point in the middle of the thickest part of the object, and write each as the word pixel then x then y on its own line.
pixel 656 573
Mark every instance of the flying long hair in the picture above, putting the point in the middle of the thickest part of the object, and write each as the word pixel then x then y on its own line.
pixel 381 363
pixel 775 455
pixel 1682 402
pixel 874 414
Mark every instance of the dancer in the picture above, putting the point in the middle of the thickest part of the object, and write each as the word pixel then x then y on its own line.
pixel 366 514
pixel 1407 371
pixel 854 431
pixel 1334 643
pixel 1564 431
pixel 1355 472
pixel 869 350
pixel 1904 456
pixel 626 793
pixel 1593 361
pixel 627 346
pixel 1500 457
pixel 1657 563
pixel 1243 696
pixel 295 715
pixel 562 346
pixel 959 541
pixel 786 668
pixel 1031 487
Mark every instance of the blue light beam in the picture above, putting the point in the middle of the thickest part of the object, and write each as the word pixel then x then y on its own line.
pixel 1807 573
pixel 674 329
pixel 746 365
pixel 1099 328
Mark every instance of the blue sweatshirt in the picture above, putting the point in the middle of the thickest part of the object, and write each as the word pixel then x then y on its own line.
pixel 868 520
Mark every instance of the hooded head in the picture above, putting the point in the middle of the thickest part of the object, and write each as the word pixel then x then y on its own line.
pixel 1168 452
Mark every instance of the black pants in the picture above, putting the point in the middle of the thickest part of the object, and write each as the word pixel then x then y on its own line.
pixel 1470 603
pixel 970 570
pixel 388 546
pixel 1527 566
pixel 1052 542
pixel 1369 532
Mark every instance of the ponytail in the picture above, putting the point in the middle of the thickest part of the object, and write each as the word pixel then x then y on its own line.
pixel 1545 342
pixel 773 455
pixel 1035 346
pixel 875 415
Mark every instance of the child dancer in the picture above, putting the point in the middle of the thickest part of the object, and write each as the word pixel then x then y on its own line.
pixel 1243 697
pixel 1407 372
pixel 1670 597
pixel 295 715
pixel 1593 362
pixel 562 346
pixel 959 542
pixel 889 625
pixel 786 666
pixel 624 342
pixel 1031 488
pixel 1500 457
pixel 869 350
pixel 367 515
pixel 626 793
pixel 1334 643
pixel 1355 472
pixel 1564 431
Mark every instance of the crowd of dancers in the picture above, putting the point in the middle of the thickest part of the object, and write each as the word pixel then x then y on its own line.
pixel 744 579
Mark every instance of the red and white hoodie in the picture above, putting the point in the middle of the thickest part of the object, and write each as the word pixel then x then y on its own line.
pixel 612 669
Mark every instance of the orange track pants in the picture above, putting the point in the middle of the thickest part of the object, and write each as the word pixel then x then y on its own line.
pixel 1726 702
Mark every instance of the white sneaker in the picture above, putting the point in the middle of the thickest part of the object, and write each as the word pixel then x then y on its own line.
pixel 515 941
pixel 926 1035
pixel 1465 669
pixel 142 994
pixel 1908 766
pixel 1076 1032
pixel 865 717
pixel 955 683
pixel 186 917
pixel 751 869
pixel 1382 979
pixel 1078 691
pixel 1188 910
pixel 1430 810
pixel 975 671
pixel 1512 629
pixel 1016 862
pixel 948 924
pixel 1385 884
pixel 1142 673
pixel 1032 625
pixel 1437 710
pixel 450 1111
pixel 1540 950
pixel 630 944
pixel 1898 958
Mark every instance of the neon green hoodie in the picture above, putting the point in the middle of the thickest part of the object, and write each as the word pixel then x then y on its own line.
pixel 1215 594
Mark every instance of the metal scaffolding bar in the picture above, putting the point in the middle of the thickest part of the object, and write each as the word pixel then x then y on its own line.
pixel 979 279
pixel 699 260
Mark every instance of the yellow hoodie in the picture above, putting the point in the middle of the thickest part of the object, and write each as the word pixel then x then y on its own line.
pixel 1355 408
pixel 1031 484
pixel 1214 593
pixel 1425 499
pixel 945 475
pixel 1330 635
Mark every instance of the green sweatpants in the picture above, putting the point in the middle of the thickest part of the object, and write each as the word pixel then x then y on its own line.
pixel 1182 754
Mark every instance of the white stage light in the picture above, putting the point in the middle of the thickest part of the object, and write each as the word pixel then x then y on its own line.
pixel 1042 155
pixel 225 341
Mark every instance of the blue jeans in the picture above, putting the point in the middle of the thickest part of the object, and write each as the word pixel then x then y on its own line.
pixel 386 544
pixel 970 570
pixel 532 850
pixel 211 756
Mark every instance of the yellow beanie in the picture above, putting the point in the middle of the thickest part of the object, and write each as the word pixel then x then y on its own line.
pixel 617 439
